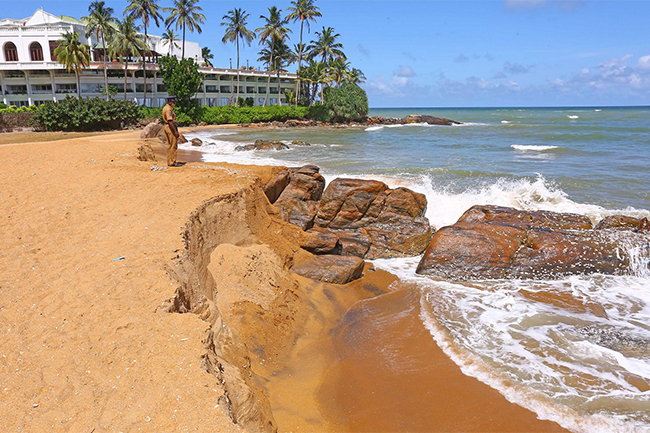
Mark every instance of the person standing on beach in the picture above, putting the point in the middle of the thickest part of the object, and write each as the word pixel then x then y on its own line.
pixel 171 130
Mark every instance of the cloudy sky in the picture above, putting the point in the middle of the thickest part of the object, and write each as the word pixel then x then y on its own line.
pixel 456 53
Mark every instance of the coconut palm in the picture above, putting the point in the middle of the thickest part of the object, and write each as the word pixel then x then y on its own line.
pixel 315 73
pixel 278 55
pixel 235 23
pixel 170 38
pixel 356 76
pixel 272 31
pixel 145 10
pixel 325 46
pixel 73 54
pixel 305 11
pixel 207 55
pixel 100 22
pixel 339 71
pixel 127 43
pixel 185 14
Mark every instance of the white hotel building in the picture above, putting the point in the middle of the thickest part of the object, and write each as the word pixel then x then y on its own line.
pixel 31 75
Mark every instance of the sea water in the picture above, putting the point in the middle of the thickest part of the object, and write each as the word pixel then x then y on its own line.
pixel 574 350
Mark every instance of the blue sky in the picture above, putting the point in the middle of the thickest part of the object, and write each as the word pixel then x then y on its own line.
pixel 458 53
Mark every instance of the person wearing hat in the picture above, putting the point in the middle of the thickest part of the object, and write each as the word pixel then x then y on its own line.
pixel 171 130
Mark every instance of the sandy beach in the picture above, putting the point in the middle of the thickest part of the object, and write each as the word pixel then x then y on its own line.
pixel 89 236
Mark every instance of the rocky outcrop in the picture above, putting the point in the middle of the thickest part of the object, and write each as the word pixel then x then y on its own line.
pixel 374 221
pixel 196 142
pixel 263 145
pixel 497 242
pixel 362 218
pixel 145 152
pixel 298 201
pixel 410 119
pixel 300 143
pixel 152 130
pixel 622 222
pixel 331 268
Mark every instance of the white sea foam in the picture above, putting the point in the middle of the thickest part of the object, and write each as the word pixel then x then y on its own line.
pixel 506 122
pixel 537 148
pixel 573 117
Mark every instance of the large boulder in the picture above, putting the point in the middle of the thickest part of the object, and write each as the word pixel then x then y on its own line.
pixel 623 222
pixel 331 268
pixel 298 201
pixel 263 145
pixel 431 120
pixel 374 221
pixel 152 130
pixel 497 242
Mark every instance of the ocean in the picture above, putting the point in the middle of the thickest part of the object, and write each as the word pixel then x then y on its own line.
pixel 574 350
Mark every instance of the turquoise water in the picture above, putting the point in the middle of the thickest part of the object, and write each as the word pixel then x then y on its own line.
pixel 593 161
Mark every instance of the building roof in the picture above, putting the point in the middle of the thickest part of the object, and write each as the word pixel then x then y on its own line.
pixel 39 18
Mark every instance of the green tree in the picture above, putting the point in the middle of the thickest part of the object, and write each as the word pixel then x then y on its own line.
pixel 207 56
pixel 303 11
pixel 185 13
pixel 280 55
pixel 127 43
pixel 326 46
pixel 170 38
pixel 315 74
pixel 145 10
pixel 339 71
pixel 100 22
pixel 356 76
pixel 235 23
pixel 271 32
pixel 348 103
pixel 183 79
pixel 73 54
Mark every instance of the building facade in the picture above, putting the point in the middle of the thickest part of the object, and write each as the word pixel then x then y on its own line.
pixel 31 75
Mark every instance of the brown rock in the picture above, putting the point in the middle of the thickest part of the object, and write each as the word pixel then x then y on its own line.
pixel 622 222
pixel 509 216
pixel 181 138
pixel 145 152
pixel 298 202
pixel 495 242
pixel 471 251
pixel 321 241
pixel 196 142
pixel 152 130
pixel 263 145
pixel 331 269
pixel 300 143
pixel 431 120
pixel 276 185
pixel 378 222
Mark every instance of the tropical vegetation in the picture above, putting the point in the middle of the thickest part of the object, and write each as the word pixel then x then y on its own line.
pixel 235 21
pixel 73 54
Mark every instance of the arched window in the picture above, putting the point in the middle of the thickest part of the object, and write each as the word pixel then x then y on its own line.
pixel 36 52
pixel 11 53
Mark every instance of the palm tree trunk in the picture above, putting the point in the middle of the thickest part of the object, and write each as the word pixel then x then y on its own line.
pixel 277 70
pixel 237 99
pixel 299 64
pixel 105 72
pixel 126 64
pixel 76 72
pixel 268 79
pixel 183 55
pixel 144 66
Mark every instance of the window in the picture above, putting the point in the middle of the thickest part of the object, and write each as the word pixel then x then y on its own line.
pixel 41 88
pixel 211 89
pixel 53 45
pixel 11 54
pixel 36 52
pixel 66 88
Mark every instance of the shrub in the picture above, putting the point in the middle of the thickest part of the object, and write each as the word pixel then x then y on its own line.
pixel 348 103
pixel 230 115
pixel 85 114
pixel 14 109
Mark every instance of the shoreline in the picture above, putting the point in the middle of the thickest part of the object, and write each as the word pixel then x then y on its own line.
pixel 92 237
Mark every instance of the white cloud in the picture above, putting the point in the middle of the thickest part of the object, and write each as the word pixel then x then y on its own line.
pixel 516 68
pixel 404 71
pixel 461 58
pixel 644 62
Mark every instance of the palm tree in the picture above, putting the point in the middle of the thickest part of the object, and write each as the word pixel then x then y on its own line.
pixel 207 55
pixel 126 43
pixel 279 55
pixel 273 30
pixel 235 22
pixel 305 11
pixel 339 70
pixel 325 46
pixel 313 74
pixel 356 76
pixel 146 10
pixel 170 38
pixel 185 13
pixel 100 22
pixel 73 54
